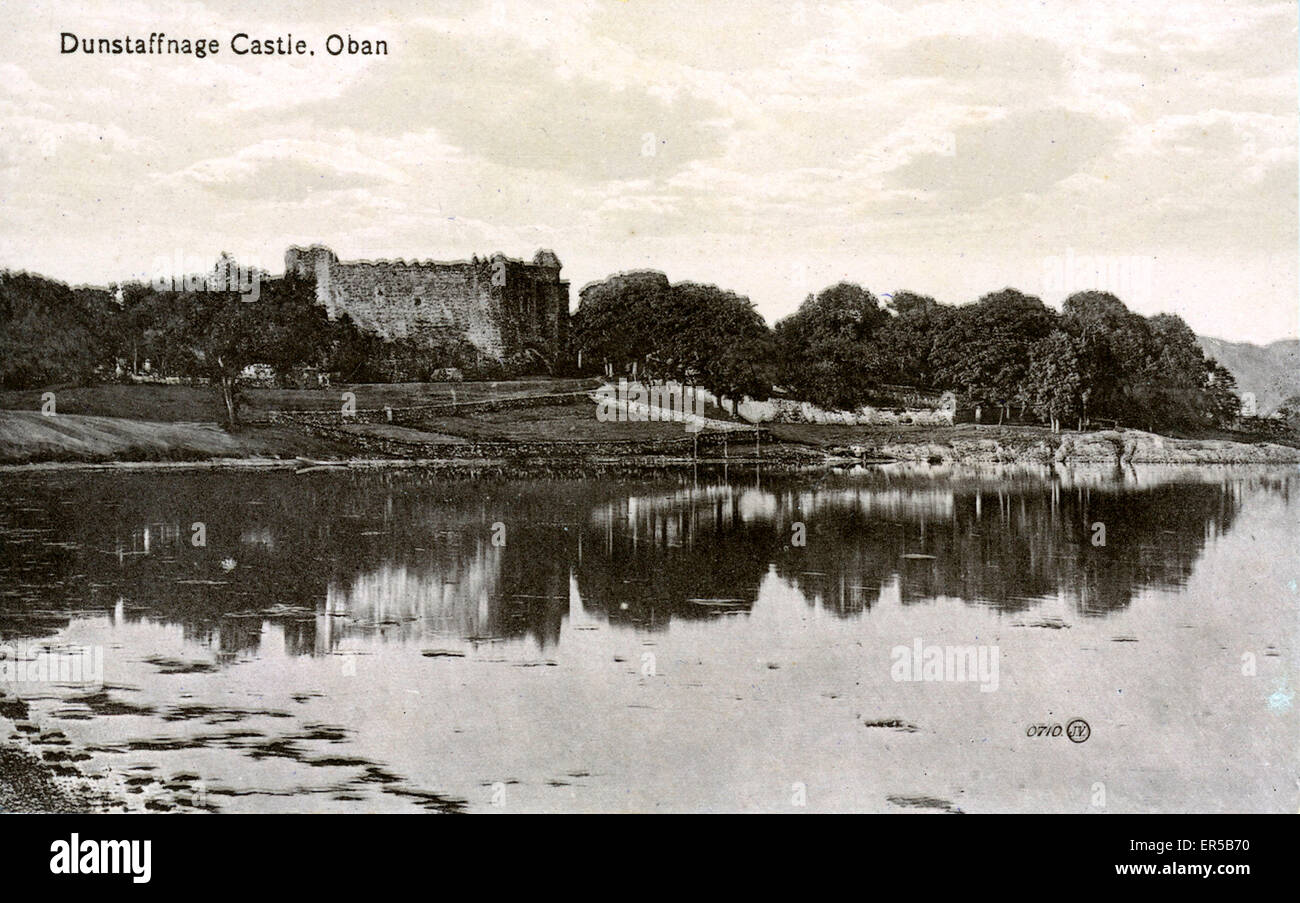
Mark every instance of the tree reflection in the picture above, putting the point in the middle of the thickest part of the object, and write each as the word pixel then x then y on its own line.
pixel 406 556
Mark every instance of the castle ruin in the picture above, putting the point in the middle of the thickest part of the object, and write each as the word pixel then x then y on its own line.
pixel 506 308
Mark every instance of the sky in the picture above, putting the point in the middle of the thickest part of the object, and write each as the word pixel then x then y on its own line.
pixel 949 148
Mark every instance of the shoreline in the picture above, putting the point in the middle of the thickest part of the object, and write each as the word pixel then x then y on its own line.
pixel 564 437
pixel 911 454
pixel 36 783
pixel 30 786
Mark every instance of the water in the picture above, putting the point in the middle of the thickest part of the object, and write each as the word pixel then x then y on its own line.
pixel 406 640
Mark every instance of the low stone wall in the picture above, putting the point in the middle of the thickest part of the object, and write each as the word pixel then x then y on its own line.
pixel 415 414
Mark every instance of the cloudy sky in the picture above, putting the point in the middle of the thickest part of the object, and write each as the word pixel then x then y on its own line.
pixel 951 148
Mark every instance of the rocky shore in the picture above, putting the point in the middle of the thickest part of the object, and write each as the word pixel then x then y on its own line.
pixel 31 783
pixel 1114 448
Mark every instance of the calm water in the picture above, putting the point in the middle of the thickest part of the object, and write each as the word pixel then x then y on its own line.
pixel 406 641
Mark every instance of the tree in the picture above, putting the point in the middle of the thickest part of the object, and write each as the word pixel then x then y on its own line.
pixel 352 350
pixel 1176 384
pixel 1173 356
pixel 1223 402
pixel 1113 345
pixel 296 330
pixel 138 334
pixel 51 333
pixel 1289 410
pixel 719 342
pixel 984 347
pixel 908 344
pixel 218 334
pixel 1147 371
pixel 618 323
pixel 907 303
pixel 825 348
pixel 1053 386
pixel 690 332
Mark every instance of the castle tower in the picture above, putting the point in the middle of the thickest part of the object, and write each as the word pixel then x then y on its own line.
pixel 316 263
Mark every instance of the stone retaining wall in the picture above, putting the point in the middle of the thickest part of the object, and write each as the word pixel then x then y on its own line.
pixel 415 414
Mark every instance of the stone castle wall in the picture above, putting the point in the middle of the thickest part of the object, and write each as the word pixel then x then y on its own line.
pixel 504 307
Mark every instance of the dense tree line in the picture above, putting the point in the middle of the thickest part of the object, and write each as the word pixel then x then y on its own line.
pixel 1008 353
pixel 640 324
pixel 51 334
pixel 207 333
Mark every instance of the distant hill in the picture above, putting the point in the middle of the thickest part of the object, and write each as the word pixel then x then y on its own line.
pixel 1271 371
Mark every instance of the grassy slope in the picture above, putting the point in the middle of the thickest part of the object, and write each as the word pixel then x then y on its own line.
pixel 26 435
pixel 29 437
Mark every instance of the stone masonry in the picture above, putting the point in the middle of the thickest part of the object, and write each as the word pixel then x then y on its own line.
pixel 506 308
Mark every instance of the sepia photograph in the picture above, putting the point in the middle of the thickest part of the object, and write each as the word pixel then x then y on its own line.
pixel 871 407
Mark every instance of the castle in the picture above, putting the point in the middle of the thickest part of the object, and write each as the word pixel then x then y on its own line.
pixel 508 309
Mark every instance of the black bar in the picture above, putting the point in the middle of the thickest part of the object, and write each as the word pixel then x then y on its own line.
pixel 369 854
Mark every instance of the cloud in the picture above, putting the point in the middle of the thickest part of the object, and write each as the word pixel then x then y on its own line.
pixel 499 99
pixel 287 170
pixel 1026 152
pixel 972 62
pixel 742 141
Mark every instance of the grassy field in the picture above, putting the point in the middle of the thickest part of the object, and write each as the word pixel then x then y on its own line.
pixel 28 437
pixel 402 395
pixel 173 404
pixel 557 423
pixel 24 434
pixel 181 423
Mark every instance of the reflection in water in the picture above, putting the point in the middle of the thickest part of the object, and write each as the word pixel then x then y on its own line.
pixel 415 555
pixel 692 640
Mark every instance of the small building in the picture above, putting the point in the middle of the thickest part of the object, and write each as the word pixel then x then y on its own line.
pixel 258 375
